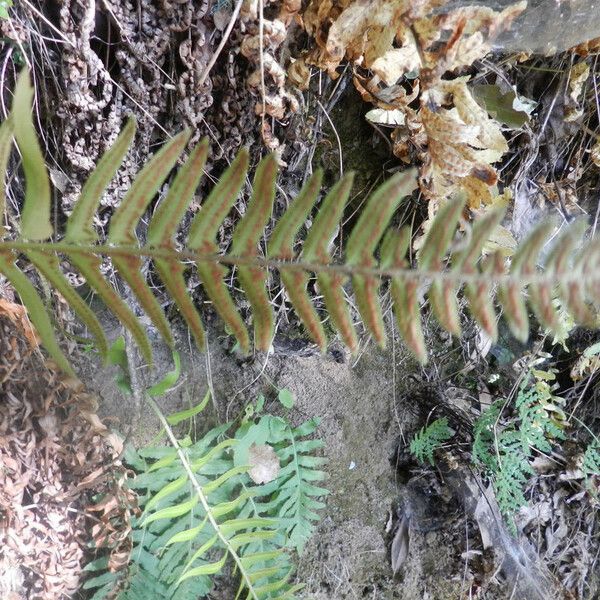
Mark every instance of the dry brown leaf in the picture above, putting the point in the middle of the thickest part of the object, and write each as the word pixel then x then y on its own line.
pixel 299 74
pixel 388 118
pixel 450 133
pixel 584 367
pixel 18 315
pixel 264 463
pixel 578 75
pixel 501 240
pixel 587 48
pixel 363 24
pixel 395 63
pixel 47 448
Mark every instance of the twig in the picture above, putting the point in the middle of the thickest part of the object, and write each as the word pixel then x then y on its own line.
pixel 261 46
pixel 337 137
pixel 49 24
pixel 213 59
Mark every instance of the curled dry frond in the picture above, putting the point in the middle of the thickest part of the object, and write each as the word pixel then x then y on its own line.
pixel 373 252
pixel 405 56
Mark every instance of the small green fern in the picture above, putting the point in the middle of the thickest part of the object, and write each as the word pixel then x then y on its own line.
pixel 183 539
pixel 505 452
pixel 429 439
pixel 573 275
pixel 484 436
pixel 591 459
pixel 511 473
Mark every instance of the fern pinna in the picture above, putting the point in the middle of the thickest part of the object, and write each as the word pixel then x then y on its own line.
pixel 567 273
pixel 190 529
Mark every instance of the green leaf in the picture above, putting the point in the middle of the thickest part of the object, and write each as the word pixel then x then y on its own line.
pixel 49 267
pixel 171 512
pixel 184 415
pixel 143 190
pixel 433 251
pixel 207 569
pixel 35 215
pixel 6 132
pixel 365 237
pixel 530 282
pixel 117 355
pixel 166 491
pixel 188 534
pixel 316 249
pixel 35 309
pixel 429 439
pixel 89 267
pixel 80 224
pixel 168 381
pixel 506 107
pixel 286 398
pixel 234 525
pixel 245 241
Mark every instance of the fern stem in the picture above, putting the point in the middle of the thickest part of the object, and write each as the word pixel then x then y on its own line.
pixel 201 496
pixel 420 275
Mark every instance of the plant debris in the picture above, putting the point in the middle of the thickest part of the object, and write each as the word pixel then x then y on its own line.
pixel 56 459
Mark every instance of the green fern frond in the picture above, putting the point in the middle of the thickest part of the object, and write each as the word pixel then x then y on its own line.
pixel 429 439
pixel 484 436
pixel 190 528
pixel 591 459
pixel 570 273
pixel 293 497
pixel 536 425
pixel 512 473
pixel 505 451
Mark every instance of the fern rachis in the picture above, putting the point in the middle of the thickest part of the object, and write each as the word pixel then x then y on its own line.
pixel 575 275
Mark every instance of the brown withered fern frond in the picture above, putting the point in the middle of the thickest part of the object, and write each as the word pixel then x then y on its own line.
pixel 570 271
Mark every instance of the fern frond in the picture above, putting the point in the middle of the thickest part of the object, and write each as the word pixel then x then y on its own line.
pixel 591 459
pixel 536 425
pixel 293 497
pixel 201 510
pixel 513 472
pixel 429 439
pixel 484 436
pixel 531 281
pixel 505 450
